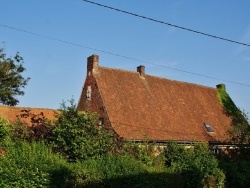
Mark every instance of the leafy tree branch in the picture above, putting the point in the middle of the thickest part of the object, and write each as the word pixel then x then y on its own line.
pixel 11 79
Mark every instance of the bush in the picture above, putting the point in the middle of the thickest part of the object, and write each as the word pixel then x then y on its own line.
pixel 78 136
pixel 148 153
pixel 111 166
pixel 4 131
pixel 32 165
pixel 120 171
pixel 39 127
pixel 19 131
pixel 236 167
pixel 196 164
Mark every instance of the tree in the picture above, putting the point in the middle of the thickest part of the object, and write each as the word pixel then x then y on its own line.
pixel 78 136
pixel 11 79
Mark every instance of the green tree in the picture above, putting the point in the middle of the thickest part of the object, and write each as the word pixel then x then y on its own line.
pixel 11 79
pixel 78 136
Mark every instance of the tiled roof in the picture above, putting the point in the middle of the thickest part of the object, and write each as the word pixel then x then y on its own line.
pixel 154 108
pixel 14 113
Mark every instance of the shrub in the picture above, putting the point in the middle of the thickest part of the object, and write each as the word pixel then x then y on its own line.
pixel 39 127
pixel 32 165
pixel 4 130
pixel 120 171
pixel 19 131
pixel 235 163
pixel 78 136
pixel 196 164
pixel 111 166
pixel 148 153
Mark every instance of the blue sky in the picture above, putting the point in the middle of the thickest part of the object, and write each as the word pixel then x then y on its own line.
pixel 58 69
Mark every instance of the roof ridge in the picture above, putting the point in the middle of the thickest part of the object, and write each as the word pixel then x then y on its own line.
pixel 22 107
pixel 158 77
pixel 119 69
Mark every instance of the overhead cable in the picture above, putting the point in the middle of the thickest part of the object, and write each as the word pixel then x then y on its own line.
pixel 119 55
pixel 166 23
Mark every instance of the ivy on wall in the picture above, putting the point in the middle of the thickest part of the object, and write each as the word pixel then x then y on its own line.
pixel 228 104
pixel 240 132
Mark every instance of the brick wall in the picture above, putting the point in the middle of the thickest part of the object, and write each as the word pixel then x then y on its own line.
pixel 90 97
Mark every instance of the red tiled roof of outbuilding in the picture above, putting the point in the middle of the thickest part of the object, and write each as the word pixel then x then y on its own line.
pixel 12 114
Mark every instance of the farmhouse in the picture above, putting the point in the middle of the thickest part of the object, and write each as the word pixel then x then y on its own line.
pixel 138 106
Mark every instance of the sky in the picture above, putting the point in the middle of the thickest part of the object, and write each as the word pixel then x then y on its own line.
pixel 56 37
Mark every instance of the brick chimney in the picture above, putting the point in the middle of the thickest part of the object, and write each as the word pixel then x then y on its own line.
pixel 141 70
pixel 92 63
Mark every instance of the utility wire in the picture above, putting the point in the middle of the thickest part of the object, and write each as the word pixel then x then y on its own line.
pixel 119 55
pixel 166 23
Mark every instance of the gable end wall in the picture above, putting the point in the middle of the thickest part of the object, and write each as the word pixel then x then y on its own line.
pixel 95 104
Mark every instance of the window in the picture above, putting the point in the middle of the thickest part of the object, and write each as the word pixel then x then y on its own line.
pixel 216 150
pixel 88 94
pixel 101 121
pixel 209 128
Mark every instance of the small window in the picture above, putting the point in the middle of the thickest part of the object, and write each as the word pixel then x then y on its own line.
pixel 209 128
pixel 88 94
pixel 216 151
pixel 101 121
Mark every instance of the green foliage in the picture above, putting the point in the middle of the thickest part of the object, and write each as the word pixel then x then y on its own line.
pixel 110 166
pixel 237 173
pixel 38 129
pixel 32 165
pixel 226 101
pixel 78 136
pixel 240 132
pixel 19 131
pixel 148 153
pixel 120 171
pixel 196 164
pixel 235 163
pixel 4 130
pixel 11 80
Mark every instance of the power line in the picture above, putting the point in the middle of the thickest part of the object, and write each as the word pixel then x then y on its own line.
pixel 119 55
pixel 166 23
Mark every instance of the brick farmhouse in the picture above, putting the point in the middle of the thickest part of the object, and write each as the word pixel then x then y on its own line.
pixel 138 107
